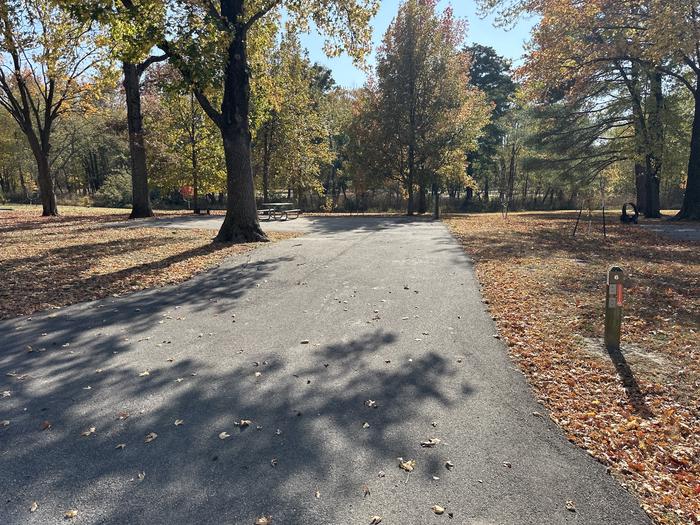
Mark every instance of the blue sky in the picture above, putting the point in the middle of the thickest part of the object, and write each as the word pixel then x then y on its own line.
pixel 507 43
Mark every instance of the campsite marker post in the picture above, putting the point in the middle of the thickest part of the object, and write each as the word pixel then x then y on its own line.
pixel 613 308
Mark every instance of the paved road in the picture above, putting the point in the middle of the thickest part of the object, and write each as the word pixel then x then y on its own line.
pixel 392 313
pixel 213 222
pixel 680 230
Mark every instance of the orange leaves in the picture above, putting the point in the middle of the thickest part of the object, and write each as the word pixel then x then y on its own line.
pixel 544 290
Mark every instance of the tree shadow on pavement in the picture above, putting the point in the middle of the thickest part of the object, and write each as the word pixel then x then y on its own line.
pixel 306 434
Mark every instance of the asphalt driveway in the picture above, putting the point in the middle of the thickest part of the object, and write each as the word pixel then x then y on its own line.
pixel 341 350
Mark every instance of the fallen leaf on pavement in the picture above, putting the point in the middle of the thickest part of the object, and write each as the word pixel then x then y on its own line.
pixel 34 507
pixel 224 435
pixel 263 520
pixel 408 466
pixel 150 437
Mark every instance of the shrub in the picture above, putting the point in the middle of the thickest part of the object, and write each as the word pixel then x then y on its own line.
pixel 116 191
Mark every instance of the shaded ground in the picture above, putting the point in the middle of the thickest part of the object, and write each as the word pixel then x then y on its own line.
pixel 49 262
pixel 680 231
pixel 637 410
pixel 391 312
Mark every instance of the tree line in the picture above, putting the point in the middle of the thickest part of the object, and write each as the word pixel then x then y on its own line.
pixel 617 82
pixel 121 101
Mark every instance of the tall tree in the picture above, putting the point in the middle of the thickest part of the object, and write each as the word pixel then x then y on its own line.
pixel 294 138
pixel 653 36
pixel 186 152
pixel 135 27
pixel 46 60
pixel 490 73
pixel 424 94
pixel 203 27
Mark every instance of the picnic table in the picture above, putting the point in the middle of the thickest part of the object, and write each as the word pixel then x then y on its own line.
pixel 278 211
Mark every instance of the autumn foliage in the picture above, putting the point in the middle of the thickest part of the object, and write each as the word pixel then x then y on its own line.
pixel 636 412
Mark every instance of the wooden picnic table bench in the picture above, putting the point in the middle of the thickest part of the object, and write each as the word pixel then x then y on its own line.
pixel 265 212
pixel 279 210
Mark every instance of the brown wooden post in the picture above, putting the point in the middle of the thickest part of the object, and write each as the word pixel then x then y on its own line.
pixel 613 308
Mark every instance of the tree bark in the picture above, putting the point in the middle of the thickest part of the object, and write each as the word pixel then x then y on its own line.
pixel 40 149
pixel 241 223
pixel 141 202
pixel 422 200
pixel 690 209
pixel 48 197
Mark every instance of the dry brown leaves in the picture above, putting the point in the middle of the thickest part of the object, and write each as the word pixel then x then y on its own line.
pixel 546 290
pixel 49 262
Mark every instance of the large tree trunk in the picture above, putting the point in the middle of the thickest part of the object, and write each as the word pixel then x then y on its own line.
pixel 241 223
pixel 48 197
pixel 141 202
pixel 40 150
pixel 691 200
pixel 422 194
